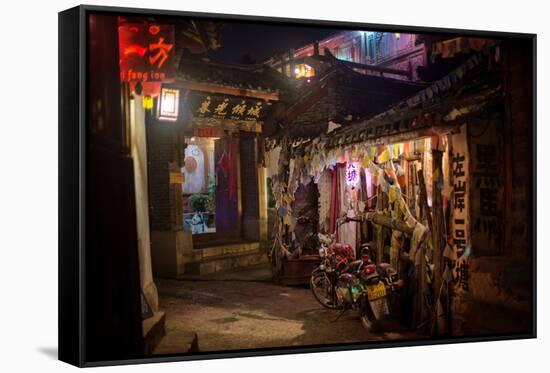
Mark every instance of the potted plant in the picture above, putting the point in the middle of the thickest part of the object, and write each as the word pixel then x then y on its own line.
pixel 199 203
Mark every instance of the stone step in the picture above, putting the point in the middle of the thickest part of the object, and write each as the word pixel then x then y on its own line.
pixel 226 262
pixel 219 250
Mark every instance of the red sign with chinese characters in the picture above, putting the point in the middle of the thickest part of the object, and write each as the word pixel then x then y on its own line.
pixel 147 52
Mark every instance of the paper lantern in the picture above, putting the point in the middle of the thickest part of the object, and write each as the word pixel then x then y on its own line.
pixel 168 105
pixel 352 174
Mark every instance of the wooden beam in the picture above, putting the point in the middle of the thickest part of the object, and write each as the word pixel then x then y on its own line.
pixel 379 69
pixel 227 90
pixel 388 222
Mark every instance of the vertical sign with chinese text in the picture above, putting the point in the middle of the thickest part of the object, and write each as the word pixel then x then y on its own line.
pixel 460 205
pixel 487 195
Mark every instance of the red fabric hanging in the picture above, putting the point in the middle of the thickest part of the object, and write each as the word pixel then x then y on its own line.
pixel 334 200
pixel 223 164
pixel 228 166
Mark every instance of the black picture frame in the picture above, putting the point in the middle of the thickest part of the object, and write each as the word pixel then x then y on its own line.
pixel 78 315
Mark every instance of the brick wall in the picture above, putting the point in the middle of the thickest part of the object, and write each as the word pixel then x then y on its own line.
pixel 160 142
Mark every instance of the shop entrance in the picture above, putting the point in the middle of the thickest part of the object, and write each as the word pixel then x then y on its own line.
pixel 210 190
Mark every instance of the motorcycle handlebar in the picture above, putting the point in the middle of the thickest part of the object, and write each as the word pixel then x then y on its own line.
pixel 345 220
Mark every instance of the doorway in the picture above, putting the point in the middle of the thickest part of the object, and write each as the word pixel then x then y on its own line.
pixel 210 191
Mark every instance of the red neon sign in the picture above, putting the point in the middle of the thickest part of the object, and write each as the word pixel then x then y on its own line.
pixel 146 52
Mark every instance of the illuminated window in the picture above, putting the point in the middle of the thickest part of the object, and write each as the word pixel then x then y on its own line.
pixel 303 71
pixel 168 104
pixel 345 54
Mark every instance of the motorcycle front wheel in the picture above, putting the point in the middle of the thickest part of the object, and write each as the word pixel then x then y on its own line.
pixel 323 290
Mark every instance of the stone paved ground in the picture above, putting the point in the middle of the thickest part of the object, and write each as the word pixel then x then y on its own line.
pixel 231 314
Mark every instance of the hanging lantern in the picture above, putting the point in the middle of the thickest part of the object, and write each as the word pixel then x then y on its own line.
pixel 352 175
pixel 168 105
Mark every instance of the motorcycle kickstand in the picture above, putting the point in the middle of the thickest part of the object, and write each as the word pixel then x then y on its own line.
pixel 340 315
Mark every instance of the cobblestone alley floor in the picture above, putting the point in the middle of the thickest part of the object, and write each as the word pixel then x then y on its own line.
pixel 234 314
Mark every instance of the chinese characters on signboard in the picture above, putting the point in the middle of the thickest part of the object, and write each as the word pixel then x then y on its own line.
pixel 487 183
pixel 229 107
pixel 487 195
pixel 460 205
pixel 146 52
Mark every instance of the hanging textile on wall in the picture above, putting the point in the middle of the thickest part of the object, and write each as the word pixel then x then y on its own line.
pixel 272 161
pixel 312 160
pixel 325 189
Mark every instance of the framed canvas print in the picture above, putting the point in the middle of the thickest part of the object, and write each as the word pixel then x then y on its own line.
pixel 238 186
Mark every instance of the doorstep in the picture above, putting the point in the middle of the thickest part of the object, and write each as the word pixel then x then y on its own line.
pixel 222 258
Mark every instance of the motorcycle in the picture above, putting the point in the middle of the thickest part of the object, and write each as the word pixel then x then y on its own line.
pixel 340 282
pixel 366 290
pixel 334 261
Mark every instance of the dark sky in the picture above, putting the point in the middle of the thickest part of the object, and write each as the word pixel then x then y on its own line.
pixel 261 41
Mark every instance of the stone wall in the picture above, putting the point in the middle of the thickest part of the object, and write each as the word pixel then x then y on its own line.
pixel 520 115
pixel 500 289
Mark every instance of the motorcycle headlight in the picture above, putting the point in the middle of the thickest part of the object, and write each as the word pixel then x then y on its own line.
pixel 322 267
pixel 322 252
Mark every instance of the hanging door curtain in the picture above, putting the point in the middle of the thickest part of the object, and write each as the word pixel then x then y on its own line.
pixel 225 150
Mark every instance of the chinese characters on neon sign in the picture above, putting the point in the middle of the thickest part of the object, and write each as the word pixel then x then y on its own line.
pixel 146 52
pixel 352 175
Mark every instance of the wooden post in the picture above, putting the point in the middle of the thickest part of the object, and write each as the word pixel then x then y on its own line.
pixel 424 198
pixel 379 230
pixel 420 309
pixel 421 270
pixel 449 288
pixel 437 228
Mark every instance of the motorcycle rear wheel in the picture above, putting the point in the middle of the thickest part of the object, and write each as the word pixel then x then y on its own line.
pixel 323 291
pixel 368 320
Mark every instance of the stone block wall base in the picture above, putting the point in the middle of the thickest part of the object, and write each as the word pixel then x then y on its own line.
pixel 153 331
pixel 169 252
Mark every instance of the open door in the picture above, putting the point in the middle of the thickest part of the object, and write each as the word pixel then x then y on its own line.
pixel 215 174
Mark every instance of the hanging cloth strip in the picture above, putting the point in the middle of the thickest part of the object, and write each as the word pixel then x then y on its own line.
pixel 334 200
